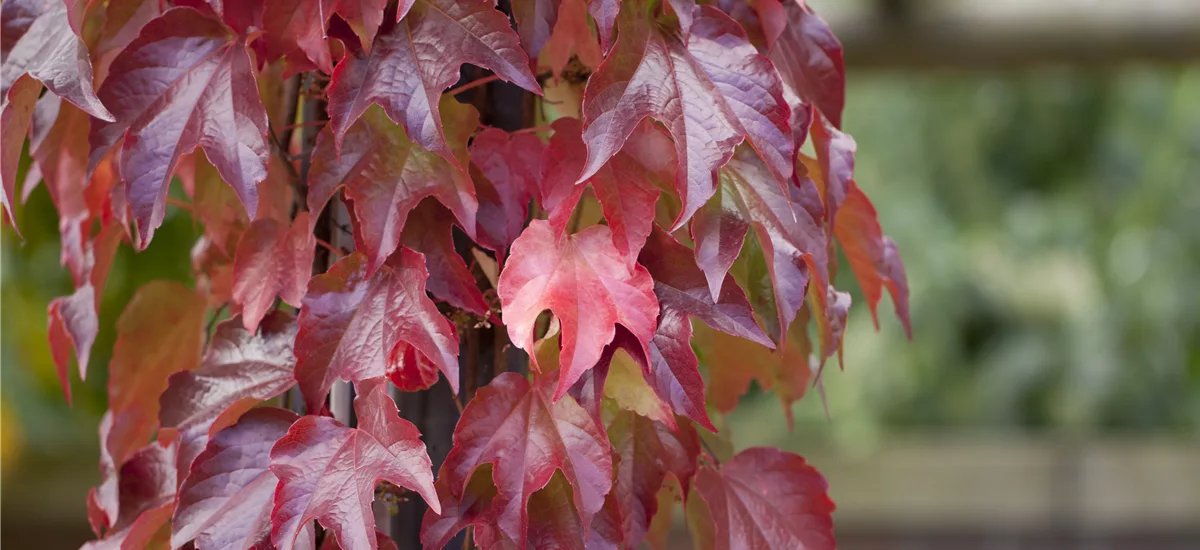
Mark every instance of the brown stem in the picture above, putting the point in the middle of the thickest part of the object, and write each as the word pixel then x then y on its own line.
pixel 473 84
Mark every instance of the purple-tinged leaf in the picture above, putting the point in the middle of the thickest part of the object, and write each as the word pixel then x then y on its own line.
pixel 185 82
pixel 328 471
pixel 808 55
pixel 351 324
pixel 710 92
pixel 410 65
pixel 524 436
pixel 429 230
pixel 225 500
pixel 386 175
pixel 239 370
pixel 38 41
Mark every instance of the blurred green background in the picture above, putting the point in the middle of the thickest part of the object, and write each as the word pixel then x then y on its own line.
pixel 1049 219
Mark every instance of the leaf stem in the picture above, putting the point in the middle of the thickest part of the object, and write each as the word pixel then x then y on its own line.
pixel 182 205
pixel 332 249
pixel 473 84
pixel 306 124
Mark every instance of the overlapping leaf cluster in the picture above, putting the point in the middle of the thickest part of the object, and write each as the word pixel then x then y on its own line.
pixel 687 144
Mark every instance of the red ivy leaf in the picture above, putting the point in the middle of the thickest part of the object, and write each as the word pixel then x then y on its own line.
pixel 272 260
pixel 526 436
pixel 510 167
pixel 535 22
pixel 589 287
pixel 716 72
pixel 16 114
pixel 787 226
pixel 571 34
pixel 352 323
pixel 386 175
pixel 625 187
pixel 293 26
pixel 159 333
pixel 411 64
pixel 59 145
pixel 807 54
pixel 202 95
pixel 147 497
pixel 38 41
pixel 328 472
pixel 681 286
pixel 429 230
pixel 73 321
pixel 648 452
pixel 225 500
pixel 835 165
pixel 764 498
pixel 240 369
pixel 873 256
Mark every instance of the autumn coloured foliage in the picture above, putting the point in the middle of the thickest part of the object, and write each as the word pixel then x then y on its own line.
pixel 655 213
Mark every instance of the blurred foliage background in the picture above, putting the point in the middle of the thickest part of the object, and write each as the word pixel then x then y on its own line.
pixel 1049 220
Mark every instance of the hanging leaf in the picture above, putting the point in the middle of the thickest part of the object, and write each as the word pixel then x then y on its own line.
pixel 328 471
pixel 583 280
pixel 412 63
pixel 272 260
pixel 386 175
pixel 429 230
pixel 203 95
pixel 715 72
pixel 627 188
pixel 38 41
pixel 240 369
pixel 225 500
pixel 788 227
pixel 648 451
pixel 872 255
pixel 526 436
pixel 510 167
pixel 807 54
pixel 351 323
pixel 763 498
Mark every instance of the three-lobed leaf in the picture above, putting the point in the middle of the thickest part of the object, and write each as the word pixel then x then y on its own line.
pixel 187 81
pixel 328 471
pixel 354 324
pixel 586 283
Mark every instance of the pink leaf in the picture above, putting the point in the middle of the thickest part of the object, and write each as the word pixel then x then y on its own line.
pixel 272 260
pixel 586 283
